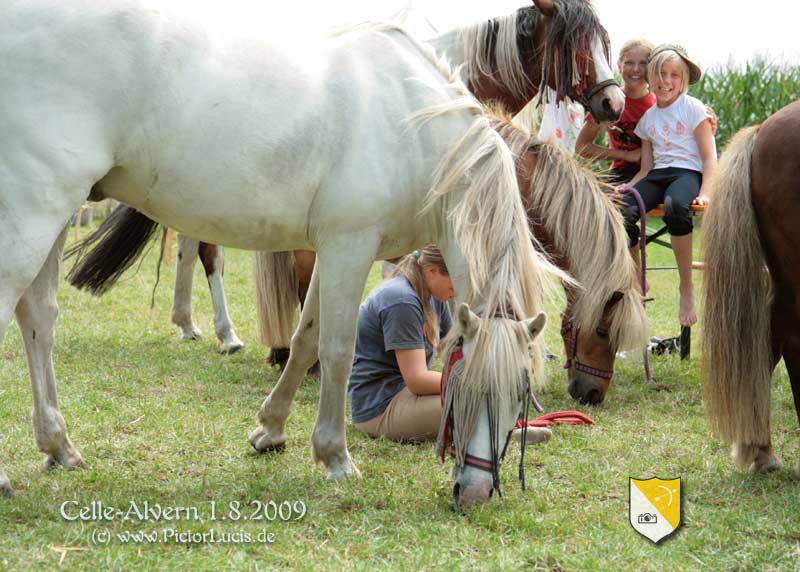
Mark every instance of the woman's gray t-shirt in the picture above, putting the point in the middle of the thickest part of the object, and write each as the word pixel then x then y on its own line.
pixel 391 318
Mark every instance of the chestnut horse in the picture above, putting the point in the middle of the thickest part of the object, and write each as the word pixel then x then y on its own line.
pixel 751 320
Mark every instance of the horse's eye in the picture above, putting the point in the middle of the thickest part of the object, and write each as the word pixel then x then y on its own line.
pixel 602 333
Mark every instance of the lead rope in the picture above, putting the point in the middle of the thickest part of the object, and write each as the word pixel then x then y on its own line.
pixel 643 256
pixel 493 446
pixel 525 408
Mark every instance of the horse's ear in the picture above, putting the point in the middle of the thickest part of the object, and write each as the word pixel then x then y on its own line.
pixel 535 325
pixel 546 7
pixel 468 320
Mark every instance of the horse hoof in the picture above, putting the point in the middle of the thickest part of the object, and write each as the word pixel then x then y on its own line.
pixel 279 357
pixel 69 458
pixel 5 488
pixel 262 441
pixel 191 336
pixel 314 371
pixel 231 349
pixel 766 465
pixel 344 471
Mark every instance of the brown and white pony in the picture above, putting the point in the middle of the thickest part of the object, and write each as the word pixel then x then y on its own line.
pixel 751 239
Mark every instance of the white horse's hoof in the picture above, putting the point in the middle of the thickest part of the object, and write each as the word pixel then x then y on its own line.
pixel 340 471
pixel 194 334
pixel 68 457
pixel 262 441
pixel 5 487
pixel 232 347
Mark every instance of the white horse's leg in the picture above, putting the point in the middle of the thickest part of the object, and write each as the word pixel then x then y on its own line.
pixel 304 351
pixel 36 314
pixel 184 276
pixel 342 266
pixel 213 261
pixel 28 232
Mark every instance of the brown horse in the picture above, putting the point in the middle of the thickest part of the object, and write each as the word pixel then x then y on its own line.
pixel 510 72
pixel 752 308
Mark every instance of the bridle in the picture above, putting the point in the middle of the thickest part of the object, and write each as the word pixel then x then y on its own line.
pixel 584 97
pixel 573 331
pixel 491 465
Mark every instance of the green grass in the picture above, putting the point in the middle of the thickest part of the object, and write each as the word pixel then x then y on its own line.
pixel 167 422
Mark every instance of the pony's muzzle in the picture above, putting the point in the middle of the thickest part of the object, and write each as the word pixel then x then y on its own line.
pixel 587 389
pixel 468 493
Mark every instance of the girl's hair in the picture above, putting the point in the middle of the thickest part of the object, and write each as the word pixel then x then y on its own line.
pixel 657 62
pixel 411 266
pixel 635 43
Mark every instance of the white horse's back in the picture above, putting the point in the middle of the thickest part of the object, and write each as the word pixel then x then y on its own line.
pixel 200 118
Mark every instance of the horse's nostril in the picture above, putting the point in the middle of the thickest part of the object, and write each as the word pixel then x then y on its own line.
pixel 593 397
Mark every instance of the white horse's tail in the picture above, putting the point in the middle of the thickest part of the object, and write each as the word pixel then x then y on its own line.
pixel 736 364
pixel 276 297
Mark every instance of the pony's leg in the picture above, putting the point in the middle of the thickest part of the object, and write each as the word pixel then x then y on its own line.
pixel 28 232
pixel 791 357
pixel 304 350
pixel 36 314
pixel 212 258
pixel 341 285
pixel 762 458
pixel 184 276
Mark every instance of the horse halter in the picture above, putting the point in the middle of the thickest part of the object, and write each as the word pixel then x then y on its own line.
pixel 569 329
pixel 487 465
pixel 584 97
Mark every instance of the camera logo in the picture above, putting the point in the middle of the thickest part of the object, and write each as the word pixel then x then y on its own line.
pixel 654 510
pixel 647 518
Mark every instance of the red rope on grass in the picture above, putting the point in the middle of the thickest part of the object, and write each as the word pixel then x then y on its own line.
pixel 559 418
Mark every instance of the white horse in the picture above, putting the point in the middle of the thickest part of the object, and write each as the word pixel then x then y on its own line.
pixel 507 59
pixel 238 136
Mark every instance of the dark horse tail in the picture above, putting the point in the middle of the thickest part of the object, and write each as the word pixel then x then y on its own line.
pixel 115 246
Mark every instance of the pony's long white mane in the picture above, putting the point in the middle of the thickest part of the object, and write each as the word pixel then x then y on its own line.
pixel 586 227
pixel 475 190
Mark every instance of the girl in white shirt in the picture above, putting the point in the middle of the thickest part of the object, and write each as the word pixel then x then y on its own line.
pixel 678 160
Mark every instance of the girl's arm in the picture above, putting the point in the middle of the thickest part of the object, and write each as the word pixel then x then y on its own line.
pixel 705 143
pixel 418 378
pixel 586 147
pixel 645 164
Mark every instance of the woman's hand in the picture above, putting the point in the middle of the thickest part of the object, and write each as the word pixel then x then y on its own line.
pixel 701 199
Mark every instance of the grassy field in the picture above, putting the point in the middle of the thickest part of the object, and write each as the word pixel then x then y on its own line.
pixel 166 422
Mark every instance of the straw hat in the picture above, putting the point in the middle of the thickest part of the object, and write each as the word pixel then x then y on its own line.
pixel 694 69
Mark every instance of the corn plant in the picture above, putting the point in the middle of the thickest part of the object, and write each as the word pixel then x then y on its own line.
pixel 748 94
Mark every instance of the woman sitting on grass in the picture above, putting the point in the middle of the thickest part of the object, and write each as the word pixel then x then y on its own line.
pixel 393 391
